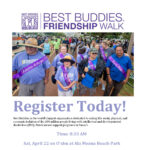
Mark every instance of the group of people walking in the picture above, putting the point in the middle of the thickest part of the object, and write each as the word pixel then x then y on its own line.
pixel 78 64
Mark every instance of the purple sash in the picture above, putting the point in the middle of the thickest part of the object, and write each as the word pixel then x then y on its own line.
pixel 81 56
pixel 91 65
pixel 65 74
pixel 117 66
pixel 29 67
pixel 61 55
pixel 103 54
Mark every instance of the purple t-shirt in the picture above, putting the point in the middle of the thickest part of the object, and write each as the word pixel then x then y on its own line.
pixel 56 62
pixel 22 60
pixel 72 75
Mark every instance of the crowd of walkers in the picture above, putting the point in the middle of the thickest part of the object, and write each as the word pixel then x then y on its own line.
pixel 78 63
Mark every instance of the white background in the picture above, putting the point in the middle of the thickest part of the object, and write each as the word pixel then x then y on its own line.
pixel 134 134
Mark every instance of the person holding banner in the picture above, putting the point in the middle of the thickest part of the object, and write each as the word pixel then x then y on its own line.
pixel 31 67
pixel 67 77
pixel 57 63
pixel 118 68
pixel 90 70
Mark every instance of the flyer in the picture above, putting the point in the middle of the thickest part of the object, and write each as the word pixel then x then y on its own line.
pixel 69 76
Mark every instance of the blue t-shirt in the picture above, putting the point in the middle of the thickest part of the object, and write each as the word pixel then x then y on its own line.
pixel 89 80
pixel 56 62
pixel 114 46
pixel 46 48
pixel 94 62
pixel 72 75
pixel 36 74
pixel 125 63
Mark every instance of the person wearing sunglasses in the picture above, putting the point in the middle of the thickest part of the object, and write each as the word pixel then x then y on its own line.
pixel 90 69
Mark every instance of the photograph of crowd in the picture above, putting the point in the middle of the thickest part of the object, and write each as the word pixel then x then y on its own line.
pixel 72 64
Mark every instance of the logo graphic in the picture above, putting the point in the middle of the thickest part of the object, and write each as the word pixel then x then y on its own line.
pixel 29 21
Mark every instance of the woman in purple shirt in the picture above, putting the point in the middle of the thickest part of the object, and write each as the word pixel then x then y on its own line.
pixel 67 77
pixel 57 63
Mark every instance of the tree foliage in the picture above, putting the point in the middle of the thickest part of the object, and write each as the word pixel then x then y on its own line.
pixel 104 35
pixel 110 35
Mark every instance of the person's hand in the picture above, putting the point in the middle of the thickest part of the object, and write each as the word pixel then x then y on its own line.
pixel 65 88
pixel 83 76
pixel 109 80
pixel 46 81
pixel 86 69
pixel 68 87
pixel 126 54
pixel 125 81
